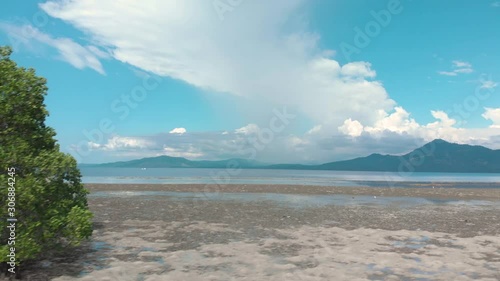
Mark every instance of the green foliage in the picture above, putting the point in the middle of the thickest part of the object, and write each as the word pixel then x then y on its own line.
pixel 51 203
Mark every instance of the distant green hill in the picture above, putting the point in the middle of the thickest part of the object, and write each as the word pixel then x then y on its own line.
pixel 436 156
pixel 178 162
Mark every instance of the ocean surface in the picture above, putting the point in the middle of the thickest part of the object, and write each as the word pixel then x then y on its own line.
pixel 258 176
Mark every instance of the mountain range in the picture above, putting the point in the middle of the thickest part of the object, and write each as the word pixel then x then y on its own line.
pixel 435 156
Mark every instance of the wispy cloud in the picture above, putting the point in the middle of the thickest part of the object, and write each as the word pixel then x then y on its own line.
pixel 495 4
pixel 189 152
pixel 448 73
pixel 458 67
pixel 488 84
pixel 461 64
pixel 68 50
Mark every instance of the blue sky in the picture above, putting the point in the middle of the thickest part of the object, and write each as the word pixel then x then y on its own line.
pixel 206 79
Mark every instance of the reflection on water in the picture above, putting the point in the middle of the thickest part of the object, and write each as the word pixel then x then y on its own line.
pixel 291 200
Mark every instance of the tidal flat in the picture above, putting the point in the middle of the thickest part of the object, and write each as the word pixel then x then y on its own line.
pixel 283 232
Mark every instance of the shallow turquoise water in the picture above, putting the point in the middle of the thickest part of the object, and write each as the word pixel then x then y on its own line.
pixel 294 200
pixel 257 176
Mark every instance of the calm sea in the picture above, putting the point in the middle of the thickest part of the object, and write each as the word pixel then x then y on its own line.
pixel 257 176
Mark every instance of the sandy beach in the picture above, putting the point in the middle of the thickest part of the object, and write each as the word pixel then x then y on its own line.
pixel 269 232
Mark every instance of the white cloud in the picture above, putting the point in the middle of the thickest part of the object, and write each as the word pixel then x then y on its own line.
pixel 261 51
pixel 463 70
pixel 248 129
pixel 447 73
pixel 399 121
pixel 296 142
pixel 492 114
pixel 69 51
pixel 120 143
pixel 351 128
pixel 461 64
pixel 395 133
pixel 399 124
pixel 495 4
pixel 443 120
pixel 178 131
pixel 315 129
pixel 358 69
pixel 458 67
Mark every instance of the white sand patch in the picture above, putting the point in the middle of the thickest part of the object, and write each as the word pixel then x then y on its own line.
pixel 309 253
pixel 361 253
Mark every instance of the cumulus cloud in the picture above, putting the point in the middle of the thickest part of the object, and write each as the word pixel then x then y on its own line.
pixel 396 133
pixel 351 128
pixel 358 69
pixel 493 114
pixel 68 50
pixel 248 129
pixel 399 123
pixel 178 131
pixel 209 145
pixel 121 143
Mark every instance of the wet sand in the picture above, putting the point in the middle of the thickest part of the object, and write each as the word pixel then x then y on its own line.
pixel 426 190
pixel 269 232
